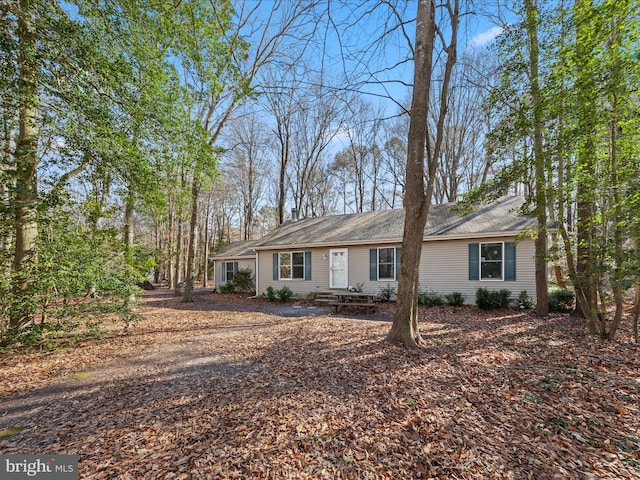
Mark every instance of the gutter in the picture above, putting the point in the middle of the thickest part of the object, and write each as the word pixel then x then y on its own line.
pixel 384 241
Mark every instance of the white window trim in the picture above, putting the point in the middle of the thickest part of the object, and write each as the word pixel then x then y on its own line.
pixel 393 263
pixel 501 279
pixel 304 266
pixel 225 274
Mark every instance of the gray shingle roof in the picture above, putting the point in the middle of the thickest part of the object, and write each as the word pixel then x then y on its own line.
pixel 237 250
pixel 504 215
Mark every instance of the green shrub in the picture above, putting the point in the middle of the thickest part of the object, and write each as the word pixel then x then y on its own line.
pixel 504 298
pixel 270 294
pixel 455 299
pixel 387 294
pixel 79 280
pixel 228 287
pixel 244 280
pixel 561 300
pixel 284 293
pixel 525 301
pixel 488 300
pixel 430 299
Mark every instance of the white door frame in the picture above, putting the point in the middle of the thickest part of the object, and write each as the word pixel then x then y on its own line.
pixel 346 267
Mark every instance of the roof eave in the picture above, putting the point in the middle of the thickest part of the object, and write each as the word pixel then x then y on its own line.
pixel 397 240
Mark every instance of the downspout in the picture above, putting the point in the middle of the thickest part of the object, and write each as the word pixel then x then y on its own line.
pixel 257 274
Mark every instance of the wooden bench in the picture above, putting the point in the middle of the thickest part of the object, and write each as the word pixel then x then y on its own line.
pixel 364 301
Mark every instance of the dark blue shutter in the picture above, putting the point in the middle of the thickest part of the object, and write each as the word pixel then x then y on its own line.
pixel 510 261
pixel 398 254
pixel 235 270
pixel 373 264
pixel 307 265
pixel 224 272
pixel 474 261
pixel 276 266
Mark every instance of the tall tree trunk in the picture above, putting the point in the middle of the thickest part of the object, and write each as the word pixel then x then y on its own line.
pixel 177 272
pixel 6 182
pixel 617 276
pixel 189 280
pixel 26 159
pixel 205 265
pixel 586 154
pixel 169 245
pixel 636 309
pixel 542 289
pixel 284 161
pixel 128 235
pixel 404 329
pixel 158 254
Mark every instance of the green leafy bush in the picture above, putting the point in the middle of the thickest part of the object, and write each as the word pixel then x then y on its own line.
pixel 284 293
pixel 228 287
pixel 488 300
pixel 561 300
pixel 525 301
pixel 455 299
pixel 270 294
pixel 387 294
pixel 244 280
pixel 81 278
pixel 430 299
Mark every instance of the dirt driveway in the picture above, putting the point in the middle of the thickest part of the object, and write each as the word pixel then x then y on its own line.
pixel 212 390
pixel 172 338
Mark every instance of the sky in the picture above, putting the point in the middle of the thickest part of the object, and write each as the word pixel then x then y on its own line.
pixel 356 47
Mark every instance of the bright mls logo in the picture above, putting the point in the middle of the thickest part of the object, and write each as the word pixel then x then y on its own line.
pixel 50 467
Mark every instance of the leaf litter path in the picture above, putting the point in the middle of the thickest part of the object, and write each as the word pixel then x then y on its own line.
pixel 204 391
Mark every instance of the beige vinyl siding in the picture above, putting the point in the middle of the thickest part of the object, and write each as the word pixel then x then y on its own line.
pixel 444 268
pixel 242 264
pixel 359 269
pixel 319 272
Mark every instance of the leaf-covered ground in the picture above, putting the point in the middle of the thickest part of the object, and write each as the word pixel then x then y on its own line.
pixel 207 391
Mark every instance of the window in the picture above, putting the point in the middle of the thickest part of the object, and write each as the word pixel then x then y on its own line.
pixel 291 265
pixel 229 271
pixel 491 255
pixel 492 261
pixel 386 263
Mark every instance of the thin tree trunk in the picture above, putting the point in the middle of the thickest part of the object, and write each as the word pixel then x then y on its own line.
pixel 191 249
pixel 177 272
pixel 205 266
pixel 6 232
pixel 128 236
pixel 586 166
pixel 26 158
pixel 128 233
pixel 169 246
pixel 542 289
pixel 618 235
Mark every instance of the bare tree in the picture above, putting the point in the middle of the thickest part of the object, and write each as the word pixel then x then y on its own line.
pixel 246 167
pixel 315 125
pixel 281 98
pixel 394 160
pixel 462 155
pixel 219 96
pixel 362 152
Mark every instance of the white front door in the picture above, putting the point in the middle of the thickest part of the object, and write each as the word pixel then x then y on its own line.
pixel 338 269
